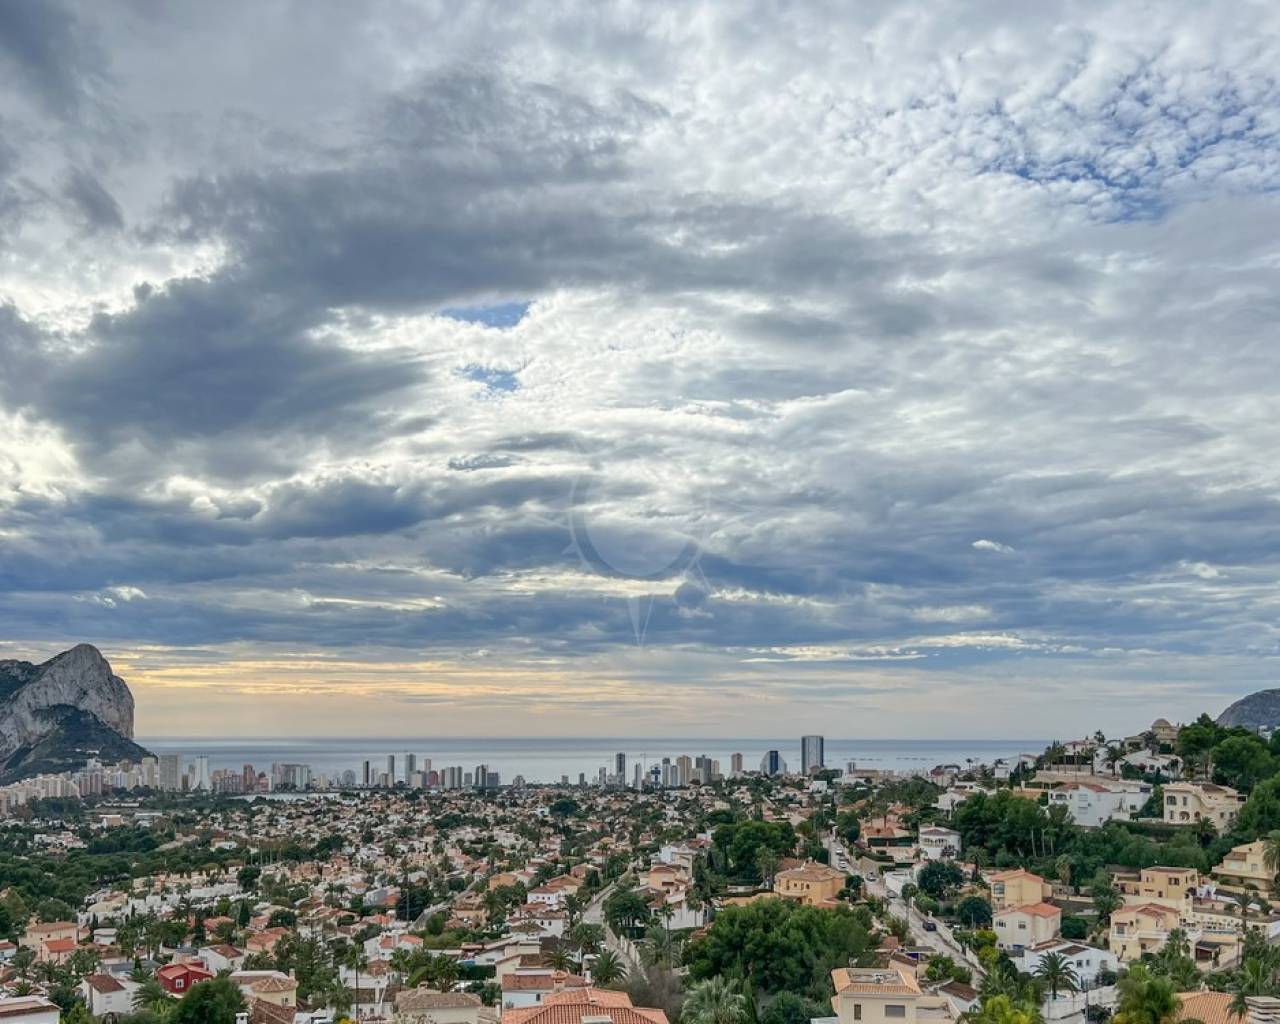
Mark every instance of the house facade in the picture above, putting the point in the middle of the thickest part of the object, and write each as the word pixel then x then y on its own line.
pixel 1186 803
pixel 811 884
pixel 938 843
pixel 1017 888
pixel 885 995
pixel 1018 928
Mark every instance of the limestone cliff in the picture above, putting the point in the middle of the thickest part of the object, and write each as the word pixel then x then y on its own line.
pixel 54 716
pixel 1260 710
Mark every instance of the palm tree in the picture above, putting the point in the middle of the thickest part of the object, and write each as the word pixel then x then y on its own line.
pixel 401 962
pixel 1245 900
pixel 1106 900
pixel 559 959
pixel 608 968
pixel 1001 980
pixel 1271 852
pixel 357 960
pixel 1255 978
pixel 1002 1009
pixel 22 961
pixel 494 905
pixel 767 864
pixel 1146 998
pixel 572 910
pixel 667 912
pixel 152 997
pixel 1055 970
pixel 588 937
pixel 714 1001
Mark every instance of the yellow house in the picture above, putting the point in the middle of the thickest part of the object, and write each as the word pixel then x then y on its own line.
pixel 1168 887
pixel 1186 803
pixel 885 995
pixel 422 1005
pixel 811 884
pixel 1018 888
pixel 39 933
pixel 1142 928
pixel 1246 866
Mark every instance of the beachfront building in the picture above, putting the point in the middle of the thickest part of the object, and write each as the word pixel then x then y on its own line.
pixel 1186 803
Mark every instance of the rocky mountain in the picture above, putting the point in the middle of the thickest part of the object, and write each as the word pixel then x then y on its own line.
pixel 1256 711
pixel 55 716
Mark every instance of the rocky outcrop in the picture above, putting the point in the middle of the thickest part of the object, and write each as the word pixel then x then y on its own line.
pixel 1259 710
pixel 55 716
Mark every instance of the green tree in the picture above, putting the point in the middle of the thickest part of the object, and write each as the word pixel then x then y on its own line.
pixel 789 1008
pixel 559 959
pixel 1002 1009
pixel 1242 762
pixel 1058 975
pixel 1271 854
pixel 766 864
pixel 210 1002
pixel 608 968
pixel 1261 812
pixel 939 877
pixel 1145 998
pixel 1256 977
pixel 973 912
pixel 781 946
pixel 715 1001
pixel 1106 897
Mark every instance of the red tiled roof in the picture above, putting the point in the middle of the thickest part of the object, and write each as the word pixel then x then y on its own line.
pixel 575 1013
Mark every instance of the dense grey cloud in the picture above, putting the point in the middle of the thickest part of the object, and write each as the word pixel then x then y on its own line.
pixel 807 352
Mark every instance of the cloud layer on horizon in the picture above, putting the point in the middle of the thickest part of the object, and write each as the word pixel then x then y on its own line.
pixel 820 359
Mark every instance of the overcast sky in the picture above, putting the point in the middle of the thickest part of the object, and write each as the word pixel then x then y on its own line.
pixel 889 369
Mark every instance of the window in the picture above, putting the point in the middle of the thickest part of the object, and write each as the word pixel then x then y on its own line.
pixel 857 1011
pixel 895 1010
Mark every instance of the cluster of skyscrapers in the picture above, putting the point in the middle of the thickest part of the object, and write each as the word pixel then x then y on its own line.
pixel 671 773
pixel 414 772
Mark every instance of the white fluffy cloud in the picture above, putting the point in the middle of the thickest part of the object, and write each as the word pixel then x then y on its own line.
pixel 766 337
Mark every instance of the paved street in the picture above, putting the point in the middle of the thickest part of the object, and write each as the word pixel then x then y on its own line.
pixel 594 914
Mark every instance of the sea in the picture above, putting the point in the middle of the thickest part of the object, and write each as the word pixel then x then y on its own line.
pixel 549 760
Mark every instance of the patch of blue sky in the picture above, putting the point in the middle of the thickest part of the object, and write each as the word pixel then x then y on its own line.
pixel 501 315
pixel 492 378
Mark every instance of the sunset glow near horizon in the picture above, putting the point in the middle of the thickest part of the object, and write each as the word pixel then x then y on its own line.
pixel 581 370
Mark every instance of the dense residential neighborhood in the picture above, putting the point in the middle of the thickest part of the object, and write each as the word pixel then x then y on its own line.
pixel 1089 880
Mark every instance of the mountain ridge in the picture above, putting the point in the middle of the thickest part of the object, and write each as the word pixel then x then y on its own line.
pixel 1257 710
